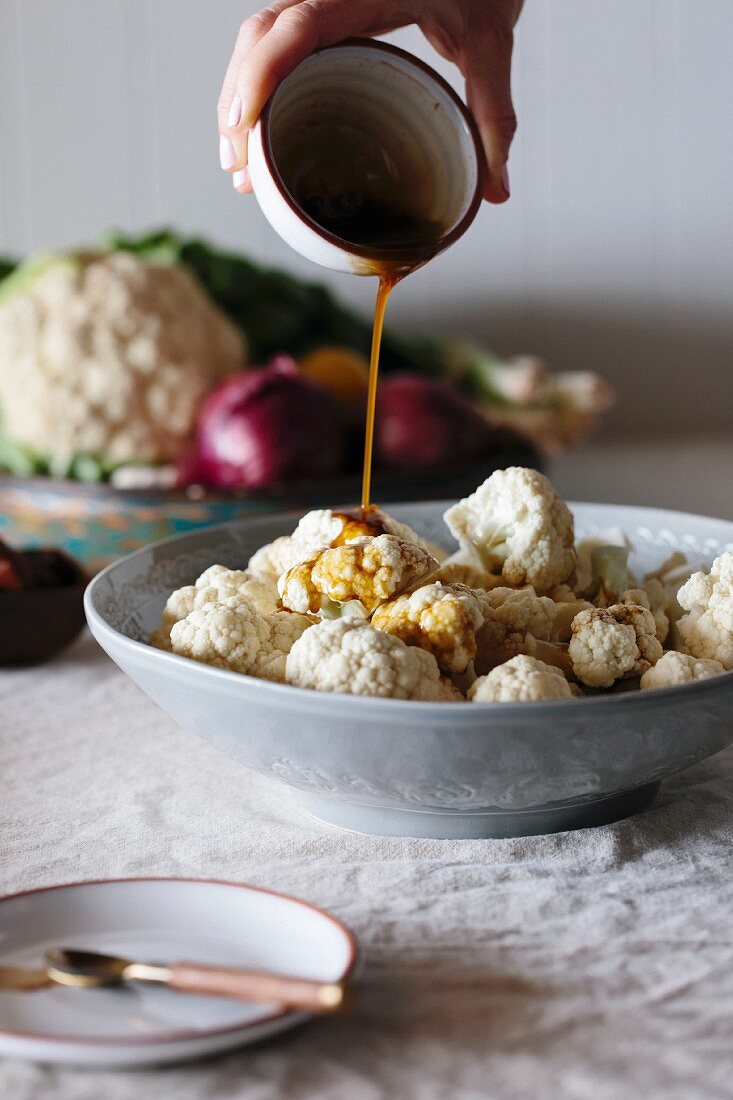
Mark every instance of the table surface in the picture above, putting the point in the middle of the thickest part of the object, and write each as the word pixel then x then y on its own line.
pixel 591 963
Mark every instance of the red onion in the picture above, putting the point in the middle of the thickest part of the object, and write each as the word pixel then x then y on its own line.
pixel 265 425
pixel 424 422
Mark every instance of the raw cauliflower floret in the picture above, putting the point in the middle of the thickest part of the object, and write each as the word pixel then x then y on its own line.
pixel 567 606
pixel 216 585
pixel 259 588
pixel 613 643
pixel 285 629
pixel 316 529
pixel 603 566
pixel 349 656
pixel 464 568
pixel 234 635
pixel 707 629
pixel 366 571
pixel 106 355
pixel 519 526
pixel 227 635
pixel 513 620
pixel 324 528
pixel 521 610
pixel 653 596
pixel 442 619
pixel 662 586
pixel 679 668
pixel 522 679
pixel 180 603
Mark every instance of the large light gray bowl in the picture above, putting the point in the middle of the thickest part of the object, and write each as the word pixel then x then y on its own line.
pixel 423 769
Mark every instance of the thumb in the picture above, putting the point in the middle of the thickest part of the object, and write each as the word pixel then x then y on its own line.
pixel 488 92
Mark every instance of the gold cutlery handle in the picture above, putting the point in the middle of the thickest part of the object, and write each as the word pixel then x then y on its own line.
pixel 251 985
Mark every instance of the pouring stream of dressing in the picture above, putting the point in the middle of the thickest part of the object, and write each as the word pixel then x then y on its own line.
pixel 385 286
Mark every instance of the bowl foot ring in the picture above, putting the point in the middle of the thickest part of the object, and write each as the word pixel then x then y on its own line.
pixel 453 825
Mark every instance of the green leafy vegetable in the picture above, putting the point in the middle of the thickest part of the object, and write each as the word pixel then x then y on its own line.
pixel 22 461
pixel 20 276
pixel 277 311
pixel 6 267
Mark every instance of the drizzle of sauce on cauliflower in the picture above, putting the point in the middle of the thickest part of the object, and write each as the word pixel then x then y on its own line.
pixel 366 571
pixel 442 619
pixel 325 528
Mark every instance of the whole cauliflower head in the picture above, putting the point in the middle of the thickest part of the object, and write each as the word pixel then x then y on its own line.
pixel 521 679
pixel 325 528
pixel 707 629
pixel 106 355
pixel 367 572
pixel 349 656
pixel 518 526
pixel 442 619
pixel 234 635
pixel 613 643
pixel 513 620
pixel 679 668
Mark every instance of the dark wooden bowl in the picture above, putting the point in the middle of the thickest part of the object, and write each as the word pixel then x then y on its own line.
pixel 37 623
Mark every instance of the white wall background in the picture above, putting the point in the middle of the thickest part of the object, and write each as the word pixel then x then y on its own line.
pixel 616 250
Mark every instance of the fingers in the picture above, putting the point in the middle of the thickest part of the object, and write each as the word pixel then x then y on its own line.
pixel 487 68
pixel 232 131
pixel 287 32
pixel 241 181
pixel 275 40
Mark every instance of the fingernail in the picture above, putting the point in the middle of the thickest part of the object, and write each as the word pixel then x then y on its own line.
pixel 505 179
pixel 235 111
pixel 227 156
pixel 240 178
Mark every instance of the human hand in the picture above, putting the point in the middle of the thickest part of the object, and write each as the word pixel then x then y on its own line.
pixel 477 35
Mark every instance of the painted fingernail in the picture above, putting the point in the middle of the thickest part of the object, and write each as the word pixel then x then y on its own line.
pixel 235 111
pixel 240 178
pixel 227 156
pixel 505 179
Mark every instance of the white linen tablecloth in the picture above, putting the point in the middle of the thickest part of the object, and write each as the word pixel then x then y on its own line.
pixel 595 964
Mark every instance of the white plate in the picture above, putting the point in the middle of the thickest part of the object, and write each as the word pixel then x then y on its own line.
pixel 163 920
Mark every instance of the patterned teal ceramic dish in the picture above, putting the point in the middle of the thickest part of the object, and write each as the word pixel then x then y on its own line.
pixel 97 523
pixel 445 770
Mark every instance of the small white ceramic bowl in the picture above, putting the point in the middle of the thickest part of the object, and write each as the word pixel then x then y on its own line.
pixel 402 104
pixel 424 769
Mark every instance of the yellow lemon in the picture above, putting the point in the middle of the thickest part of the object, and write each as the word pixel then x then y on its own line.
pixel 342 371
